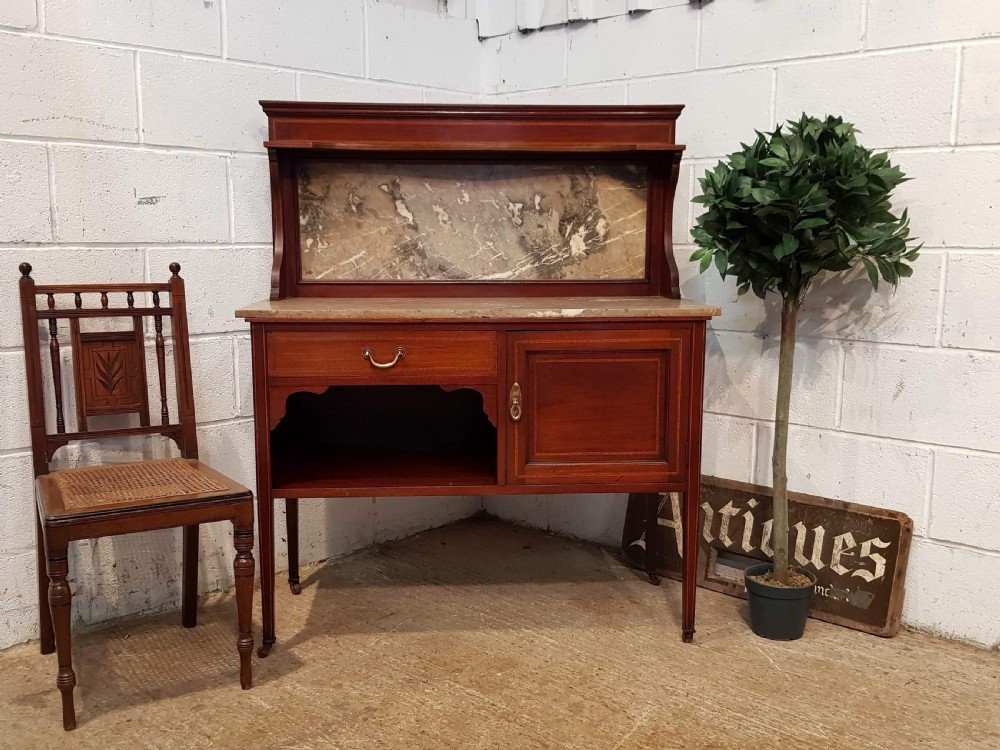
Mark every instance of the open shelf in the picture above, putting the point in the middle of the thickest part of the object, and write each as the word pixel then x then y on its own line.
pixel 352 437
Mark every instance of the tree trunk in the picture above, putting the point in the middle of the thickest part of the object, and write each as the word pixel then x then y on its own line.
pixel 786 356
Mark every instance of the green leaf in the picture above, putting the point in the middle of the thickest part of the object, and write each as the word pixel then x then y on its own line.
pixel 772 161
pixel 764 195
pixel 811 223
pixel 872 271
pixel 721 262
pixel 789 243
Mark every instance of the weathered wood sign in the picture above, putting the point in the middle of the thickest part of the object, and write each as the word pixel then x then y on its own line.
pixel 858 553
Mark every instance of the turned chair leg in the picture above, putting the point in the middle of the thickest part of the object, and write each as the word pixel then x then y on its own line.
pixel 48 640
pixel 189 581
pixel 60 601
pixel 243 567
pixel 292 534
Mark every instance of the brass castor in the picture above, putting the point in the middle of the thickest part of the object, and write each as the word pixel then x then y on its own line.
pixel 264 650
pixel 688 636
pixel 296 587
pixel 654 579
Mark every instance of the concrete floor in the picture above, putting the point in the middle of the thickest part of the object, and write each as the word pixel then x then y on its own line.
pixel 486 635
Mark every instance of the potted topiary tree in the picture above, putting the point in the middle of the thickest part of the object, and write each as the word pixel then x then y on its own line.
pixel 797 203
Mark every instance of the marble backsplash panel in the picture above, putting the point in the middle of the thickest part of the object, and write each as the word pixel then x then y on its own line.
pixel 503 222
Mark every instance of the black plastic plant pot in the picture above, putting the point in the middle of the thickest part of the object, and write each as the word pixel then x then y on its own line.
pixel 777 612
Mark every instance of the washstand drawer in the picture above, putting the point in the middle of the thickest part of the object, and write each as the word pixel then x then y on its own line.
pixel 384 355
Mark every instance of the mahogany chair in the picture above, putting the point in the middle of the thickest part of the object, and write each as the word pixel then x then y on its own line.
pixel 109 374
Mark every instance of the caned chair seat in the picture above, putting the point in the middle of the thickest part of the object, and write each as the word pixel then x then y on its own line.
pixel 110 487
pixel 109 377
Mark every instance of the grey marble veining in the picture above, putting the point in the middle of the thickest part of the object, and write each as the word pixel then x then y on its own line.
pixel 370 221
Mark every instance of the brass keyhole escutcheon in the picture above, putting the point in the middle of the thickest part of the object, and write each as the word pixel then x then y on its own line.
pixel 515 402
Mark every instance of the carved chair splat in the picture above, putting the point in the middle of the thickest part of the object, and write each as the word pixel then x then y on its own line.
pixel 110 379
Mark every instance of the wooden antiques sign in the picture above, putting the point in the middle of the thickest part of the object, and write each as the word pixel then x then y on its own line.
pixel 858 553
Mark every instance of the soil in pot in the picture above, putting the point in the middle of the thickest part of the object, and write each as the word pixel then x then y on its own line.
pixel 778 612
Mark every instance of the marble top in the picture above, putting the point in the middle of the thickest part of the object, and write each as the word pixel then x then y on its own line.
pixel 471 308
pixel 461 222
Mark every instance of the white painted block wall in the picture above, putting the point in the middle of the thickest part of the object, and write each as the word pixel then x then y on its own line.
pixel 897 396
pixel 105 102
pixel 896 403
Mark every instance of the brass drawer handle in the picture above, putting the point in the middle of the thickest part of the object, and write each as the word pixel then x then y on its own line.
pixel 368 354
pixel 515 402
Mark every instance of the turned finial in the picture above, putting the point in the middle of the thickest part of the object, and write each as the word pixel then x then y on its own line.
pixel 25 269
pixel 175 268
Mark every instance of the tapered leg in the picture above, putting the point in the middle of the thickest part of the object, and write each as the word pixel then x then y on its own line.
pixel 692 495
pixel 265 529
pixel 189 584
pixel 691 500
pixel 48 641
pixel 651 505
pixel 292 534
pixel 60 601
pixel 243 571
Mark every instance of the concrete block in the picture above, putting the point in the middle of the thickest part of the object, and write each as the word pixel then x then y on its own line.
pixel 529 510
pixel 186 25
pixel 979 101
pixel 396 517
pixel 122 195
pixel 244 376
pixel 721 108
pixel 19 14
pixel 328 528
pixel 18 599
pixel 845 306
pixel 876 93
pixel 309 35
pixel 928 395
pixel 965 505
pixel 948 589
pixel 598 518
pixel 435 96
pixel 60 89
pixel 742 33
pixel 739 313
pixel 857 469
pixel 214 379
pixel 251 184
pixel 627 47
pixel 313 88
pixel 898 23
pixel 683 209
pixel 62 266
pixel 970 298
pixel 952 197
pixel 229 448
pixel 14 432
pixel 727 447
pixel 408 46
pixel 742 371
pixel 207 103
pixel 17 482
pixel 24 193
pixel 614 93
pixel 529 61
pixel 214 291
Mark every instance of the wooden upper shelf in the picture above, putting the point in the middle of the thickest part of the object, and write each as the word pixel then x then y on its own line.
pixel 471 128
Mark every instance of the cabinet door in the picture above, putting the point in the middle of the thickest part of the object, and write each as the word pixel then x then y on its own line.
pixel 607 405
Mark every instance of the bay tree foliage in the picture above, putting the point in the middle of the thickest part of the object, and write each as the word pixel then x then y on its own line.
pixel 804 200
